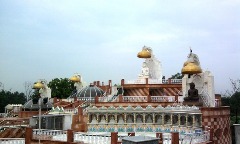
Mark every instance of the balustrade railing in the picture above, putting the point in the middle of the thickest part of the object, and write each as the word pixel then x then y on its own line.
pixel 138 99
pixel 134 98
pixel 45 134
pixel 162 98
pixel 155 81
pixel 12 140
pixel 137 81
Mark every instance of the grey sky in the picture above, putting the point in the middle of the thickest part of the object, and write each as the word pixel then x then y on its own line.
pixel 100 39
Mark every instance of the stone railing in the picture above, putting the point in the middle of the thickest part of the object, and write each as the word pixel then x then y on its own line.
pixel 137 81
pixel 162 98
pixel 121 98
pixel 154 81
pixel 135 98
pixel 12 140
pixel 45 134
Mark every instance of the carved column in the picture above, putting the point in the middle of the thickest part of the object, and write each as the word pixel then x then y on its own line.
pixel 179 119
pixel 186 120
pixel 193 123
pixel 106 115
pixel 125 118
pixel 171 119
pixel 134 118
pixel 98 118
pixel 163 119
pixel 89 117
pixel 115 115
pixel 144 118
pixel 153 120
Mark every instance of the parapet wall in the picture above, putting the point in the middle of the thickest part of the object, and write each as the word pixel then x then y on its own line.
pixel 218 120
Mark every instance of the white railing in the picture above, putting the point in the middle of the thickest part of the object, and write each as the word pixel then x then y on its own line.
pixel 134 98
pixel 45 134
pixel 73 110
pixel 155 81
pixel 104 99
pixel 12 140
pixel 91 138
pixel 162 98
pixel 137 81
pixel 176 81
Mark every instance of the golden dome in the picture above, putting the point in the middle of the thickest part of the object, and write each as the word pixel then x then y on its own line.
pixel 38 85
pixel 75 79
pixel 191 68
pixel 144 54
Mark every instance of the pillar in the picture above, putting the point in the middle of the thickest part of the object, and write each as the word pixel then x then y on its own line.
pixel 88 118
pixel 28 135
pixel 175 138
pixel 125 118
pixel 96 99
pixel 70 136
pixel 171 119
pixel 193 123
pixel 110 86
pixel 144 118
pixel 134 118
pixel 169 81
pixel 186 120
pixel 179 119
pixel 98 118
pixel 114 137
pixel 75 98
pixel 55 100
pixel 80 111
pixel 163 119
pixel 149 98
pixel 98 83
pixel 115 118
pixel 106 116
pixel 153 116
pixel 120 98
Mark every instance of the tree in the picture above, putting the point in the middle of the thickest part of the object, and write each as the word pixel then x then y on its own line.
pixel 8 97
pixel 232 98
pixel 61 88
pixel 177 76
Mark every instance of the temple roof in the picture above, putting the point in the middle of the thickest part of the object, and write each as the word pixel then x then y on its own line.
pixel 90 91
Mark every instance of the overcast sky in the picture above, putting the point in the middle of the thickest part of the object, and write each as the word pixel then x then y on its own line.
pixel 47 39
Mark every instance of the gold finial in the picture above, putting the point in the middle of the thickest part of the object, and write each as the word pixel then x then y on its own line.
pixel 191 68
pixel 75 79
pixel 38 85
pixel 144 54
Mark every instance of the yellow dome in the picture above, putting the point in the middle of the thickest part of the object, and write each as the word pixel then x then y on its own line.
pixel 75 79
pixel 38 85
pixel 144 54
pixel 191 68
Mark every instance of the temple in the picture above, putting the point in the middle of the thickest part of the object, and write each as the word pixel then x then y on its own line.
pixel 186 108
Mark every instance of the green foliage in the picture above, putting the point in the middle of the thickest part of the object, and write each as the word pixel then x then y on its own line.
pixel 232 99
pixel 8 97
pixel 177 76
pixel 61 88
pixel 226 101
